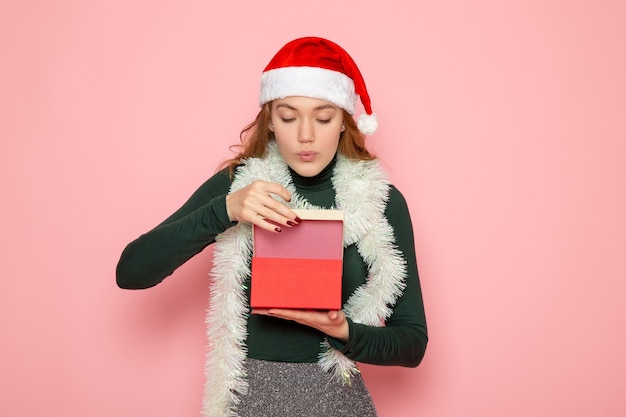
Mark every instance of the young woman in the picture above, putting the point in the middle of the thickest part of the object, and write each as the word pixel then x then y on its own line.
pixel 304 150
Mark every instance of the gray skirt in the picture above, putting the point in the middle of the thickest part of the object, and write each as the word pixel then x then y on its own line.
pixel 282 389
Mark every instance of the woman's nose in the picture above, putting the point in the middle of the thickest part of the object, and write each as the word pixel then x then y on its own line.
pixel 305 133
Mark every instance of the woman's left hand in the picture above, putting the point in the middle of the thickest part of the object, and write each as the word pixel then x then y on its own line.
pixel 333 322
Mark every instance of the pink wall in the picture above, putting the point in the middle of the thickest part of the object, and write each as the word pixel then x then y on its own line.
pixel 501 122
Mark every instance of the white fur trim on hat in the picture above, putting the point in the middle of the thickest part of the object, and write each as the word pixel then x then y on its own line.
pixel 313 82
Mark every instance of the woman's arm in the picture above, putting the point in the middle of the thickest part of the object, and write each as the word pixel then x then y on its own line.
pixel 403 340
pixel 155 255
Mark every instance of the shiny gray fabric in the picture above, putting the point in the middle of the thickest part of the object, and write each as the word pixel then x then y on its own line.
pixel 282 389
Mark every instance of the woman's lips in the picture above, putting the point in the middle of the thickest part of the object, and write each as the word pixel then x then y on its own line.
pixel 307 156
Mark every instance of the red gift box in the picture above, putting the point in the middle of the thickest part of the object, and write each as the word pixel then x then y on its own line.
pixel 301 267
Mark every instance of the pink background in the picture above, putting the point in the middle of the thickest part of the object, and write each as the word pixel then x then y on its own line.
pixel 503 123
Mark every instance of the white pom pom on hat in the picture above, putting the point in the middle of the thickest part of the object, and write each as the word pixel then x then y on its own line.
pixel 318 68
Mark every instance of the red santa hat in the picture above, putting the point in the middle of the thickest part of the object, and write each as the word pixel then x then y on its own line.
pixel 318 68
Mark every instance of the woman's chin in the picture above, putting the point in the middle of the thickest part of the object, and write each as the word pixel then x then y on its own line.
pixel 306 169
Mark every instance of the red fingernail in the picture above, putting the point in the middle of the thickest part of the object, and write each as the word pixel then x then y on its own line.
pixel 290 223
pixel 298 220
pixel 278 229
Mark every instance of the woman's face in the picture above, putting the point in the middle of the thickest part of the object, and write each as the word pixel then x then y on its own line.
pixel 307 132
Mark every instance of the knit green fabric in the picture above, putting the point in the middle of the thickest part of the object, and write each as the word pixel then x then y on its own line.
pixel 153 256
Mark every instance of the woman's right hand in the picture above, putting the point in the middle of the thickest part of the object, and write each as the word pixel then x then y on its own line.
pixel 254 204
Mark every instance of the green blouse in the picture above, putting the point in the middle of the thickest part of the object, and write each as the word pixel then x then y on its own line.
pixel 155 255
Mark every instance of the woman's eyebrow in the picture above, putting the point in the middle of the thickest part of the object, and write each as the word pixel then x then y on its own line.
pixel 278 106
pixel 325 106
pixel 320 107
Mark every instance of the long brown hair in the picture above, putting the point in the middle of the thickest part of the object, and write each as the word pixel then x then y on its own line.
pixel 256 135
